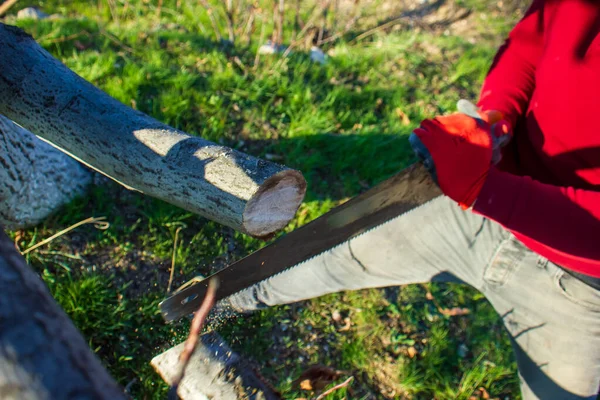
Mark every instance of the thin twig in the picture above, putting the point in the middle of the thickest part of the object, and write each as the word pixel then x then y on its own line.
pixel 376 29
pixel 308 25
pixel 213 21
pixel 240 64
pixel 6 5
pixel 113 12
pixel 356 14
pixel 129 385
pixel 173 259
pixel 99 223
pixel 116 41
pixel 333 389
pixel 296 21
pixel 195 329
pixel 58 253
pixel 159 8
pixel 336 10
pixel 249 25
pixel 323 24
pixel 261 40
pixel 229 19
pixel 280 17
pixel 64 38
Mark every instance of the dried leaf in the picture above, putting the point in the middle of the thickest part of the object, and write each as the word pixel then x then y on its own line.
pixel 336 316
pixel 403 117
pixel 484 393
pixel 412 352
pixel 347 325
pixel 306 385
pixel 453 312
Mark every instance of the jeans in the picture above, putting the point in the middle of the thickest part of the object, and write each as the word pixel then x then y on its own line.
pixel 553 318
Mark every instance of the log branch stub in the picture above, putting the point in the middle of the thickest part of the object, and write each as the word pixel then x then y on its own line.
pixel 38 92
pixel 214 372
pixel 42 354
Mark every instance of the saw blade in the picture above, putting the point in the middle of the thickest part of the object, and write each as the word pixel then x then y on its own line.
pixel 402 192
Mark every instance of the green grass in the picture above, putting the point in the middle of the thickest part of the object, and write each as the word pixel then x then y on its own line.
pixel 324 120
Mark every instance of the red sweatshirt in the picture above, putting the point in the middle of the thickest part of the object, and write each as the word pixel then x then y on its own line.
pixel 546 80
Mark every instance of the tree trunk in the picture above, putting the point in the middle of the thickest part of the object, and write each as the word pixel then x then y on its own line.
pixel 42 355
pixel 41 94
pixel 35 178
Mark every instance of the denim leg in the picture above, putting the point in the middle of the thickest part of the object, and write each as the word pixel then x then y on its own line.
pixel 553 320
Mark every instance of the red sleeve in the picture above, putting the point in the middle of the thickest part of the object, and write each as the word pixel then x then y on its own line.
pixel 511 79
pixel 529 209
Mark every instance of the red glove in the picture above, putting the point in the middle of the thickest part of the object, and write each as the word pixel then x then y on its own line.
pixel 461 148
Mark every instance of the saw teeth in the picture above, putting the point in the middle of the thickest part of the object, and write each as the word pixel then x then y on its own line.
pixel 331 249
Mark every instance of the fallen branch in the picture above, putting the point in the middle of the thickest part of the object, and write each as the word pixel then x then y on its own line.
pixel 250 195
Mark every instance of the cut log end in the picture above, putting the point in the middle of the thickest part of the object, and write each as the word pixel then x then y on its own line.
pixel 274 204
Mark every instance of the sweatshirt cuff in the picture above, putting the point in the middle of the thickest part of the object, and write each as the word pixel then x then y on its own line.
pixel 499 196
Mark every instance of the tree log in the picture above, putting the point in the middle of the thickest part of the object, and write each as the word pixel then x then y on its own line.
pixel 35 178
pixel 42 354
pixel 214 372
pixel 41 94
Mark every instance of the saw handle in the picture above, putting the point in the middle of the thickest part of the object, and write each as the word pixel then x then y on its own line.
pixel 467 108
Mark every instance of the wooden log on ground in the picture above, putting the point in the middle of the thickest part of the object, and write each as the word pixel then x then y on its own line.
pixel 38 92
pixel 214 372
pixel 35 178
pixel 42 355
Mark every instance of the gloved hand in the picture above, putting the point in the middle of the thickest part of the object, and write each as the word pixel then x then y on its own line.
pixel 458 150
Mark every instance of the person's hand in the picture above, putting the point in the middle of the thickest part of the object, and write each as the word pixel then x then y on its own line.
pixel 458 150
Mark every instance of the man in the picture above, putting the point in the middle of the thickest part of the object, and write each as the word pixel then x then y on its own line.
pixel 527 232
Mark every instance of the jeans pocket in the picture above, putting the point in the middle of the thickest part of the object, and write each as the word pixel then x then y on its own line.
pixel 576 291
pixel 505 261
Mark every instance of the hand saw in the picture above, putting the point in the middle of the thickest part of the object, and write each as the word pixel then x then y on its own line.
pixel 399 194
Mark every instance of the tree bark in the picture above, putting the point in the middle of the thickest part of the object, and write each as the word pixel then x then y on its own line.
pixel 42 354
pixel 41 94
pixel 35 178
